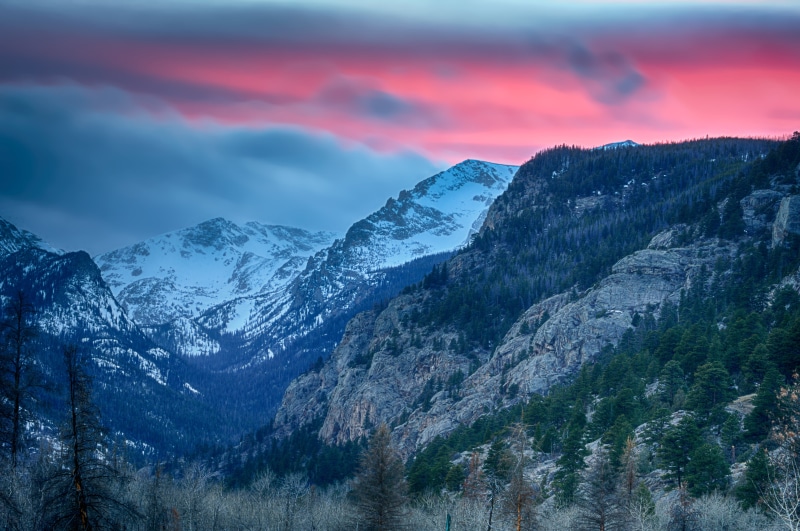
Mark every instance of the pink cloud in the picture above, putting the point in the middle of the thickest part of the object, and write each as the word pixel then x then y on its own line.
pixel 449 94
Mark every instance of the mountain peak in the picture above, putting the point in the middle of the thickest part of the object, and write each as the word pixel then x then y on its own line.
pixel 615 145
pixel 13 239
pixel 183 273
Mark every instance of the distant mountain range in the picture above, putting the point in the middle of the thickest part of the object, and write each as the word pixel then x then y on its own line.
pixel 216 319
pixel 184 273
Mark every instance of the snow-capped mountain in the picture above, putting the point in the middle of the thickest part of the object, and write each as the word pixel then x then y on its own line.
pixel 184 273
pixel 220 317
pixel 146 395
pixel 13 239
pixel 437 216
pixel 273 334
pixel 615 145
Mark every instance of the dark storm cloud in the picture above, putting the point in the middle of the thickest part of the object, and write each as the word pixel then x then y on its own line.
pixel 84 172
pixel 55 69
pixel 362 100
pixel 610 75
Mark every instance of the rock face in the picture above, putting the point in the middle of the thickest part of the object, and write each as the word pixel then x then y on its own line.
pixel 759 209
pixel 549 342
pixel 421 376
pixel 788 219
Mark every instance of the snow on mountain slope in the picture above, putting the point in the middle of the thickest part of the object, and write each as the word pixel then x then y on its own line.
pixel 183 273
pixel 438 215
pixel 615 145
pixel 13 239
pixel 140 388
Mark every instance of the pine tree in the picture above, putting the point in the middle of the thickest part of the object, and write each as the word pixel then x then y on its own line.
pixel 755 480
pixel 628 480
pixel 571 462
pixel 670 381
pixel 706 470
pixel 677 446
pixel 758 423
pixel 712 387
pixel 380 487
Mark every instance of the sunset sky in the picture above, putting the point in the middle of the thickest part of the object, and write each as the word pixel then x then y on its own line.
pixel 120 120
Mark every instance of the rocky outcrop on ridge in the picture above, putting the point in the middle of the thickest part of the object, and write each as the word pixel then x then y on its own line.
pixel 546 345
pixel 788 219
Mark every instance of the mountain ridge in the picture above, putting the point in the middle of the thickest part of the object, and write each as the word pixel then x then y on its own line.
pixel 497 353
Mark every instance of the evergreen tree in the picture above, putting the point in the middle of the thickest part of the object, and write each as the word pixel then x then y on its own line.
pixel 712 388
pixel 706 470
pixel 498 461
pixel 628 481
pixel 755 481
pixel 783 346
pixel 670 381
pixel 677 446
pixel 379 487
pixel 455 478
pixel 758 423
pixel 571 462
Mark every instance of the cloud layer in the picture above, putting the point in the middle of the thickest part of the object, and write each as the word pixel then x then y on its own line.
pixel 303 113
pixel 92 172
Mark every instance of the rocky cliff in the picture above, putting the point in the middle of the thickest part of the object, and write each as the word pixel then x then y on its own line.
pixel 367 380
pixel 416 370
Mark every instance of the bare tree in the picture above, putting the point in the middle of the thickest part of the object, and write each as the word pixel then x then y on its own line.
pixel 641 510
pixel 683 516
pixel 782 495
pixel 193 491
pixel 475 484
pixel 83 492
pixel 716 512
pixel 598 496
pixel 520 495
pixel 294 488
pixel 17 378
pixel 379 487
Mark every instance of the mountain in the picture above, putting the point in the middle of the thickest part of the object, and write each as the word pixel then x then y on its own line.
pixel 439 215
pixel 379 255
pixel 13 239
pixel 582 247
pixel 184 273
pixel 74 306
pixel 250 307
pixel 615 145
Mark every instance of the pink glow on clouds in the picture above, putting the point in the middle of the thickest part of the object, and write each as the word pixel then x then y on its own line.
pixel 453 103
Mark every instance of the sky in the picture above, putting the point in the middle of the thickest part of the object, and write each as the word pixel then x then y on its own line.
pixel 121 120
